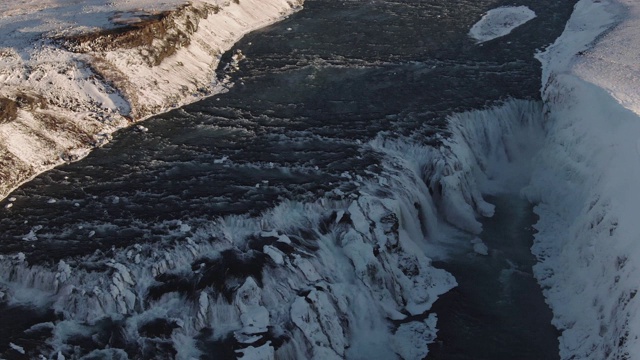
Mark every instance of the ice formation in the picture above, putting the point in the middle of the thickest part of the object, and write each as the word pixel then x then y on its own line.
pixel 320 281
pixel 584 180
pixel 340 277
pixel 500 22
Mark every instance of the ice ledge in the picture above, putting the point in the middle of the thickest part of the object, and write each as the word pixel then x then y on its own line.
pixel 73 74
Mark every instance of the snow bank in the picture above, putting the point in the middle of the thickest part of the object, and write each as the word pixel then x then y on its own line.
pixel 500 22
pixel 74 72
pixel 586 182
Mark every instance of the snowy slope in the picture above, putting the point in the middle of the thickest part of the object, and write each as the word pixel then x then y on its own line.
pixel 74 72
pixel 587 182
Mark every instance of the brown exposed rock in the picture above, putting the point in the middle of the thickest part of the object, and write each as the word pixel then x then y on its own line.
pixel 8 110
pixel 12 172
pixel 156 36
pixel 28 101
pixel 9 107
pixel 56 123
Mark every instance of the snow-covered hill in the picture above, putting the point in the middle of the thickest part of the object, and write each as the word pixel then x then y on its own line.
pixel 585 179
pixel 74 72
pixel 587 182
pixel 339 277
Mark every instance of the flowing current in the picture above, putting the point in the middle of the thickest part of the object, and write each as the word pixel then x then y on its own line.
pixel 295 215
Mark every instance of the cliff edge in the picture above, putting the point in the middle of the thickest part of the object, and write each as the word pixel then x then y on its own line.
pixel 586 182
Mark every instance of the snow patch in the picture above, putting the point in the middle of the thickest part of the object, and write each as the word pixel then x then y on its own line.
pixel 413 338
pixel 479 247
pixel 500 22
pixel 17 348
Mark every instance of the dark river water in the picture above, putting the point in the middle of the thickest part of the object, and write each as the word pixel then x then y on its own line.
pixel 312 89
pixel 497 312
pixel 304 101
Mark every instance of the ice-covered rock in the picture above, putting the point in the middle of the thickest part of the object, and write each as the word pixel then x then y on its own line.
pixel 479 247
pixel 276 255
pixel 17 348
pixel 586 181
pixel 203 309
pixel 500 22
pixel 412 339
pixel 307 268
pixel 254 316
pixel 63 274
pixel 306 318
pixel 120 288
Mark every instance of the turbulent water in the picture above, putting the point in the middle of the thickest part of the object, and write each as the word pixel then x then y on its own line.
pixel 292 215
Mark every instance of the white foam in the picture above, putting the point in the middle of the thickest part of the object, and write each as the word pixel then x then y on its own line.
pixel 17 348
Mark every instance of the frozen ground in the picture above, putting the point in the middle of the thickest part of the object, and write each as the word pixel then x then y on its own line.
pixel 74 72
pixel 500 22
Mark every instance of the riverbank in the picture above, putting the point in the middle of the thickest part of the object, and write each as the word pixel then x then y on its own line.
pixel 585 182
pixel 74 74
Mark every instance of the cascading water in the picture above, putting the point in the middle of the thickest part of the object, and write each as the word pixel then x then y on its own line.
pixel 342 258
